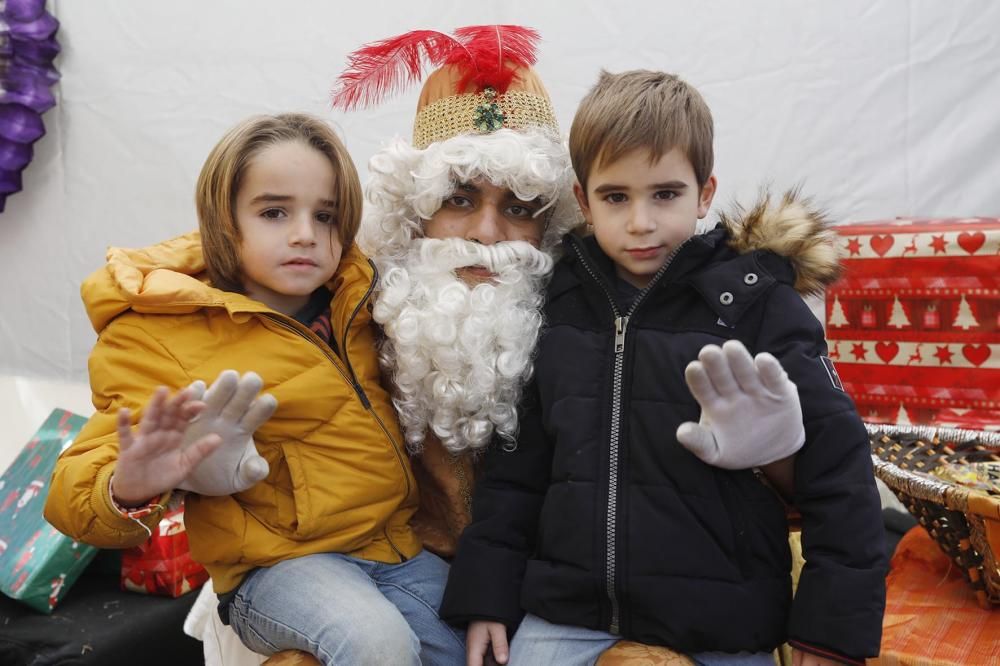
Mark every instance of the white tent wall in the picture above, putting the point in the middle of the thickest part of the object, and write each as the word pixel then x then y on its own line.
pixel 880 109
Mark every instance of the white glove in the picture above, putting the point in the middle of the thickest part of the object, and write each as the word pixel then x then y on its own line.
pixel 233 412
pixel 750 413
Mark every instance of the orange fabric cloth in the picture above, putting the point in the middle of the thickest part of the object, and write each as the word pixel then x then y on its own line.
pixel 627 653
pixel 931 615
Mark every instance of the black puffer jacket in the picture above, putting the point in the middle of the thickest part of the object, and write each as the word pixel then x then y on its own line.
pixel 600 519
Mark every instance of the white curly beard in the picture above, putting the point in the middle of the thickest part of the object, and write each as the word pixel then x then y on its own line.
pixel 460 354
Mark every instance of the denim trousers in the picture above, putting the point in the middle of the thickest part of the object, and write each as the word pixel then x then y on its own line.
pixel 540 642
pixel 349 611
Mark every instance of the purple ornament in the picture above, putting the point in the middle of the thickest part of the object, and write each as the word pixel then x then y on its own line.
pixel 14 156
pixel 10 181
pixel 35 52
pixel 42 27
pixel 28 89
pixel 23 10
pixel 21 124
pixel 28 47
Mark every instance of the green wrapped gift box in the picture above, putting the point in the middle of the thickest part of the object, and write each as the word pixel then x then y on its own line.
pixel 38 564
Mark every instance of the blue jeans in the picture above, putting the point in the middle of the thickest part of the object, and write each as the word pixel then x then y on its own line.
pixel 541 642
pixel 345 610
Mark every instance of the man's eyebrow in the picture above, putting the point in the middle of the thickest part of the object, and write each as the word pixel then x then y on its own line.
pixel 510 196
pixel 468 187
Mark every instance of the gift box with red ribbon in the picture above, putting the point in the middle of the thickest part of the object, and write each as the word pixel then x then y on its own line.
pixel 163 565
pixel 914 325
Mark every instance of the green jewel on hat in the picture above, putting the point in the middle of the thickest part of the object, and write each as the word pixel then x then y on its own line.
pixel 488 117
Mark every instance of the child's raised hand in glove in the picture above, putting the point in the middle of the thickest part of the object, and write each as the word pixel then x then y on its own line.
pixel 151 458
pixel 750 412
pixel 233 412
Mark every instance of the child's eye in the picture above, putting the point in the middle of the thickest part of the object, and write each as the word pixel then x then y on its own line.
pixel 273 214
pixel 326 218
pixel 666 195
pixel 616 197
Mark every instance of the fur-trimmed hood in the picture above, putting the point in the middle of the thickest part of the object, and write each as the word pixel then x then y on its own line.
pixel 792 228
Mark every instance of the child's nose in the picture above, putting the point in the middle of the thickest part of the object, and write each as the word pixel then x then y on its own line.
pixel 302 231
pixel 641 220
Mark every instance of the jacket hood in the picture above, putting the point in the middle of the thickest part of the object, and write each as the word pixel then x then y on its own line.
pixel 792 228
pixel 170 278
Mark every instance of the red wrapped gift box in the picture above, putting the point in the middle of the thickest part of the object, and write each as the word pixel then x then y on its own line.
pixel 914 325
pixel 163 564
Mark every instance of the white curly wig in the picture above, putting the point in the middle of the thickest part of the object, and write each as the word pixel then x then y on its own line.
pixel 408 185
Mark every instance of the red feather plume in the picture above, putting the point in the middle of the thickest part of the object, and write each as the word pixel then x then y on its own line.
pixel 487 55
pixel 382 68
pixel 495 52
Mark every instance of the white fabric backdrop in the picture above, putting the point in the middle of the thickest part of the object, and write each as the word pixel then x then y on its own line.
pixel 880 108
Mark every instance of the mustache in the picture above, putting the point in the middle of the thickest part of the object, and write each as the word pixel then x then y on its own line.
pixel 454 253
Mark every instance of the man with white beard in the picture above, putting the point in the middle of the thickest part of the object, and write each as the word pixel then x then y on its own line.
pixel 462 229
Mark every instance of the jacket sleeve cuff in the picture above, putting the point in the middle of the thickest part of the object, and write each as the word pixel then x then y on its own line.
pixel 135 526
pixel 496 596
pixel 825 653
pixel 848 629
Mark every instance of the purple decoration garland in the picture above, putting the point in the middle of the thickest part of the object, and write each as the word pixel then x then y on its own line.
pixel 28 47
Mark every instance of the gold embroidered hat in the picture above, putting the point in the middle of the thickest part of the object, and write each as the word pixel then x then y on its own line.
pixel 484 81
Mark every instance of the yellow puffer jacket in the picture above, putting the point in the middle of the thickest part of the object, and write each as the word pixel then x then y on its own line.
pixel 340 480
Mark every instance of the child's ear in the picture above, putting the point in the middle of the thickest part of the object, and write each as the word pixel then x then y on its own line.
pixel 581 199
pixel 706 196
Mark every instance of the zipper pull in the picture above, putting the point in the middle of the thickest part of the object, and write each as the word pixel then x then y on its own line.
pixel 621 323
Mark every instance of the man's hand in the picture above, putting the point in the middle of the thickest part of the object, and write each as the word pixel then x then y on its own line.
pixel 478 639
pixel 232 412
pixel 156 457
pixel 750 413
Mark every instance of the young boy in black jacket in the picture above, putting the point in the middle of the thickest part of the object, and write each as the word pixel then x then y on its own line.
pixel 600 524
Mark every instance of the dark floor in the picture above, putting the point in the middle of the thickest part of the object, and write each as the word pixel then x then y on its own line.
pixel 99 624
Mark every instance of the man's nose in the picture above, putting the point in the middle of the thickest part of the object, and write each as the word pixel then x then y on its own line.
pixel 487 226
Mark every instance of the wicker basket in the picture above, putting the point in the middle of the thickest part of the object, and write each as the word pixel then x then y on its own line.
pixel 965 522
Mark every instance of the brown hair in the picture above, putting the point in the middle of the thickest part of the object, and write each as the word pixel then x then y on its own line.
pixel 641 109
pixel 220 178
